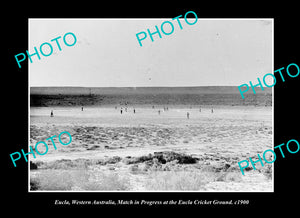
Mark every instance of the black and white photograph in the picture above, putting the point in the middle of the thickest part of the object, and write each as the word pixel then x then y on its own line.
pixel 112 108
pixel 118 105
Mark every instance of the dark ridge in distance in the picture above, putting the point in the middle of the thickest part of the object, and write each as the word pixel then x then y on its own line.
pixel 142 90
pixel 147 96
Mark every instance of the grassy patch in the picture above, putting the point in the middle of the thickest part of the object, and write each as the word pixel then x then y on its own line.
pixel 178 180
pixel 108 182
pixel 193 180
pixel 77 179
pixel 57 180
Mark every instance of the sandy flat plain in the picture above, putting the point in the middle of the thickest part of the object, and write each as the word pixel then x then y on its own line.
pixel 148 151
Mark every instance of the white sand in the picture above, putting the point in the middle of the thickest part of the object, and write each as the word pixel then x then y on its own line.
pixel 230 132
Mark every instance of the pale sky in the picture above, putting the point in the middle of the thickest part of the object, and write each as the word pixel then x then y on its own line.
pixel 211 52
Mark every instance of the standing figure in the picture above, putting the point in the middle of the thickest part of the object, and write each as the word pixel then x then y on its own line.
pixel 212 110
pixel 188 115
pixel 134 110
pixel 121 111
pixel 81 108
pixel 51 114
pixel 158 112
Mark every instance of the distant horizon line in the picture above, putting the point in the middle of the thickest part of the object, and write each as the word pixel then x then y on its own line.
pixel 133 86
